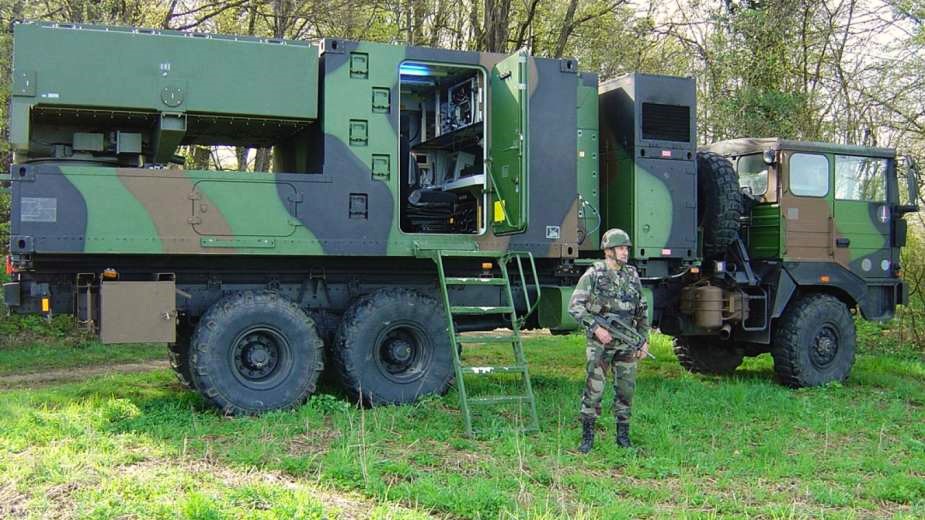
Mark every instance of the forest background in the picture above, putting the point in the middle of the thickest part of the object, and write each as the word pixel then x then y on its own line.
pixel 842 71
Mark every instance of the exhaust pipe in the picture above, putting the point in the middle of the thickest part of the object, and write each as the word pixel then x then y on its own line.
pixel 725 332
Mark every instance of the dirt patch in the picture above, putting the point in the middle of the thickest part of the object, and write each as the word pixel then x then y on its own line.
pixel 77 373
pixel 345 505
pixel 215 478
pixel 532 333
pixel 12 502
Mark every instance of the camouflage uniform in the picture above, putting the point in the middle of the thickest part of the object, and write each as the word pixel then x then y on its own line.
pixel 617 291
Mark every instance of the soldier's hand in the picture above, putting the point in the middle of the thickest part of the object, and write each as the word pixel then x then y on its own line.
pixel 602 335
pixel 644 351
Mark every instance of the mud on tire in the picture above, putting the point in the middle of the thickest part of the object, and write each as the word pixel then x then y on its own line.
pixel 255 351
pixel 719 202
pixel 814 342
pixel 392 347
pixel 178 354
pixel 708 355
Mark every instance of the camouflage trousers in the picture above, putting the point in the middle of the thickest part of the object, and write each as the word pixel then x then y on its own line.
pixel 622 363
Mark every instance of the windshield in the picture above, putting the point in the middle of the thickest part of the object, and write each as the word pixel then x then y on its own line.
pixel 753 173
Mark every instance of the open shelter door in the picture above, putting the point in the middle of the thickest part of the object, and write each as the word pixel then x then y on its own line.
pixel 508 156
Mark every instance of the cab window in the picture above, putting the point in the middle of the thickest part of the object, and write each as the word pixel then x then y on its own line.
pixel 809 175
pixel 753 174
pixel 860 178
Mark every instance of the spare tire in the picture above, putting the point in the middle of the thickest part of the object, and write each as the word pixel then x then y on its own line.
pixel 719 203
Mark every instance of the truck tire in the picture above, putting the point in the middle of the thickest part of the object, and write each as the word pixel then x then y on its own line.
pixel 814 342
pixel 253 352
pixel 708 354
pixel 392 347
pixel 719 203
pixel 178 354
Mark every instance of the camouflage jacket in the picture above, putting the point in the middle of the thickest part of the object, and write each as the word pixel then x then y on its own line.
pixel 618 291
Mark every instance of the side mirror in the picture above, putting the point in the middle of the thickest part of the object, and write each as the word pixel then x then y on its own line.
pixel 769 157
pixel 912 187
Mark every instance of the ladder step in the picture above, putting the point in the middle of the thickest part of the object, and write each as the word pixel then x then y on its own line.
pixel 481 310
pixel 514 369
pixel 475 281
pixel 469 340
pixel 499 399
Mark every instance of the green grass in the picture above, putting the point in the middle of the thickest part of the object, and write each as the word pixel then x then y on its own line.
pixel 139 445
pixel 33 343
pixel 37 357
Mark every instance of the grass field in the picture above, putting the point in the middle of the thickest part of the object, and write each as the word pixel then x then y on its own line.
pixel 139 446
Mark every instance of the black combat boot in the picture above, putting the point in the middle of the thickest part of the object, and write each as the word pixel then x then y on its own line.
pixel 587 434
pixel 623 435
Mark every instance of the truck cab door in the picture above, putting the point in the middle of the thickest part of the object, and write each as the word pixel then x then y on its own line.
pixel 508 156
pixel 806 207
pixel 863 211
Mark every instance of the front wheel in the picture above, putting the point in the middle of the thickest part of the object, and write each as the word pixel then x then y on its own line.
pixel 814 342
pixel 254 352
pixel 392 347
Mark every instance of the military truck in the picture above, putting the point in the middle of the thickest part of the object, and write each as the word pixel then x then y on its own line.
pixel 414 194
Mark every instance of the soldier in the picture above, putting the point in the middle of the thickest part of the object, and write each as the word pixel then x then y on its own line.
pixel 611 286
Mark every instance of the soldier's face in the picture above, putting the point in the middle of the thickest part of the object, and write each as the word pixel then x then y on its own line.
pixel 620 253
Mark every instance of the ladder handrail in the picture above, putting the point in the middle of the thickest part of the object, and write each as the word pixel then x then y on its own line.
pixel 523 281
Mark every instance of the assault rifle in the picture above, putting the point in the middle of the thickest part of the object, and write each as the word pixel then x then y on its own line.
pixel 622 331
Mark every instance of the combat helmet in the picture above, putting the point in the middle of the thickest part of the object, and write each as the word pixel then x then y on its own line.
pixel 615 237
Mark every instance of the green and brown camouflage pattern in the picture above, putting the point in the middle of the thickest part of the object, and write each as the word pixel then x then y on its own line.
pixel 813 229
pixel 849 245
pixel 327 195
pixel 604 290
pixel 649 170
pixel 600 362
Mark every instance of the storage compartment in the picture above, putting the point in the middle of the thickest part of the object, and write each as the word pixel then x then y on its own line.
pixel 138 312
pixel 442 148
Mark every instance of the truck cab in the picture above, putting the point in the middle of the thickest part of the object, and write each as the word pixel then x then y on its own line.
pixel 818 241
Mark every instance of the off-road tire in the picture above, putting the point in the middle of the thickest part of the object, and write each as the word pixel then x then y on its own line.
pixel 253 352
pixel 708 354
pixel 178 354
pixel 370 371
pixel 719 203
pixel 803 350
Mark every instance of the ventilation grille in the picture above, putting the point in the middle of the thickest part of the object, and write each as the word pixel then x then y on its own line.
pixel 666 122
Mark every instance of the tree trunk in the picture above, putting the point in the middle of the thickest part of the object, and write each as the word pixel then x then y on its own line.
pixel 263 159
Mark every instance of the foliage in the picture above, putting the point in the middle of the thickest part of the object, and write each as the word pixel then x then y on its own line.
pixel 31 329
pixel 138 445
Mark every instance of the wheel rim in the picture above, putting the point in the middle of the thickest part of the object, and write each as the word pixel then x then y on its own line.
pixel 402 352
pixel 824 346
pixel 259 357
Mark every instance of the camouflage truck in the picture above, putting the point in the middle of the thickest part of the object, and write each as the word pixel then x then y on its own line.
pixel 414 193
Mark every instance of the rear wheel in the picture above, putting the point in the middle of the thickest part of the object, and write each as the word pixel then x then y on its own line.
pixel 708 354
pixel 392 347
pixel 253 352
pixel 814 342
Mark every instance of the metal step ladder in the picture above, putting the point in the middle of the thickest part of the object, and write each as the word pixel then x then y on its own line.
pixel 506 262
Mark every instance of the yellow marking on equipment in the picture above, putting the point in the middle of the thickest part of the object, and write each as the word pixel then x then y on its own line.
pixel 499 211
pixel 46 306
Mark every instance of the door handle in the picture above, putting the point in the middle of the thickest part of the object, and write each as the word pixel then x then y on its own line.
pixel 842 242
